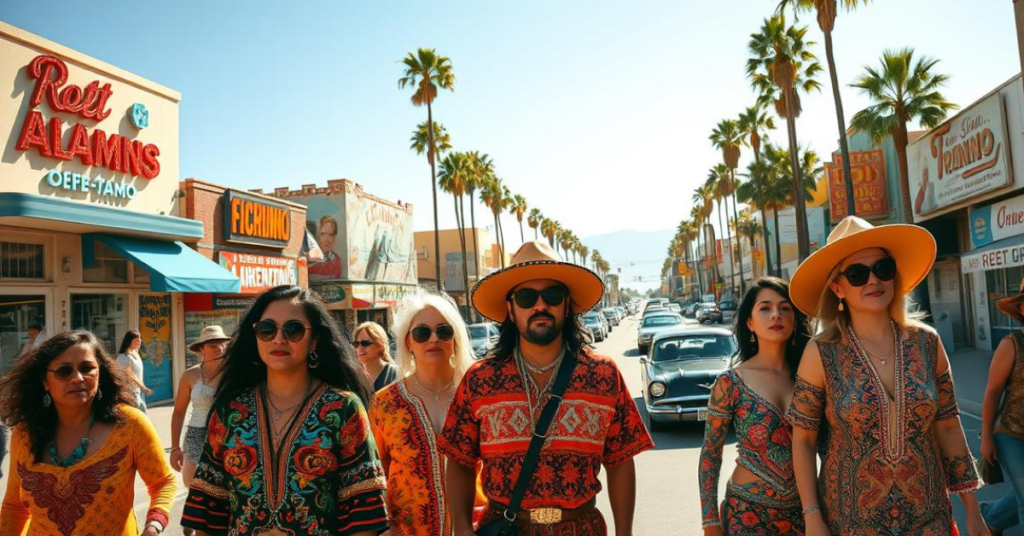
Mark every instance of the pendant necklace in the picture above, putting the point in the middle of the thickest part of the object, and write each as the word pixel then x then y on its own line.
pixel 277 412
pixel 437 395
pixel 76 455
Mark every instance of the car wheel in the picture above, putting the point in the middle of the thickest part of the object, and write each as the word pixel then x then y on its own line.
pixel 655 426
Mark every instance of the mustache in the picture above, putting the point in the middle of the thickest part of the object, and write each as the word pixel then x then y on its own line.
pixel 543 315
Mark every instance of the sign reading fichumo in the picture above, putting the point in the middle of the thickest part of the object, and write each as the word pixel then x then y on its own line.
pixel 997 221
pixel 252 220
pixel 960 159
pixel 260 272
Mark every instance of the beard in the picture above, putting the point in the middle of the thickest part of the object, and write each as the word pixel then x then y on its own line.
pixel 543 335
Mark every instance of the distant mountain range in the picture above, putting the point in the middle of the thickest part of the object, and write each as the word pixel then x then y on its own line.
pixel 637 253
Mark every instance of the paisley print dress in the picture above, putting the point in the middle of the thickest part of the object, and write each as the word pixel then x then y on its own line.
pixel 769 506
pixel 883 473
pixel 328 479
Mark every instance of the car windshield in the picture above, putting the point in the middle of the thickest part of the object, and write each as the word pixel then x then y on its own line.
pixel 694 347
pixel 661 320
pixel 591 320
pixel 478 332
pixel 708 307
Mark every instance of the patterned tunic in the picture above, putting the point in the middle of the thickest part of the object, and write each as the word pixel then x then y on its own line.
pixel 873 482
pixel 597 423
pixel 94 496
pixel 329 481
pixel 415 469
pixel 764 443
pixel 1011 412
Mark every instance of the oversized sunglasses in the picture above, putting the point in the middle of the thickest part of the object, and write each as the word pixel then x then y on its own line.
pixel 365 343
pixel 858 274
pixel 421 334
pixel 66 371
pixel 293 330
pixel 527 297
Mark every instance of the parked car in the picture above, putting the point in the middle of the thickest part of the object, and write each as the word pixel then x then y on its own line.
pixel 680 370
pixel 596 326
pixel 653 324
pixel 611 315
pixel 708 312
pixel 690 311
pixel 674 307
pixel 482 337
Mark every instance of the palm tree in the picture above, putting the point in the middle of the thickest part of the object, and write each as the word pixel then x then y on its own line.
pixel 584 252
pixel 426 72
pixel 753 124
pixel 483 170
pixel 534 219
pixel 704 198
pixel 750 228
pixel 776 185
pixel 827 11
pixel 782 64
pixel 902 91
pixel 718 180
pixel 727 137
pixel 565 239
pixel 519 209
pixel 492 195
pixel 455 169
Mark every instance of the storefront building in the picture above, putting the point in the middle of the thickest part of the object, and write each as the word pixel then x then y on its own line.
pixel 369 257
pixel 257 238
pixel 90 235
pixel 488 261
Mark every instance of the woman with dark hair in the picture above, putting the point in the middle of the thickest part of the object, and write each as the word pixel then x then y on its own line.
pixel 128 358
pixel 752 396
pixel 288 447
pixel 77 445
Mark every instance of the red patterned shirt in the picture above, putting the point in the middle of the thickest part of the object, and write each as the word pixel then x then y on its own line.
pixel 597 423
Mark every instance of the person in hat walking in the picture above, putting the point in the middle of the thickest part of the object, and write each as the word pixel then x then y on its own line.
pixel 1002 418
pixel 537 301
pixel 880 379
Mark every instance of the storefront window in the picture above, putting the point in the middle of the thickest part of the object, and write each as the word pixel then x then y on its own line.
pixel 22 261
pixel 17 313
pixel 108 268
pixel 106 315
pixel 1002 283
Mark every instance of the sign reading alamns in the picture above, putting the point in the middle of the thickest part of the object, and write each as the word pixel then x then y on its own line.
pixel 252 220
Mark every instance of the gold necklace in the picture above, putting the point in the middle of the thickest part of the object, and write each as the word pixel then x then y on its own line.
pixel 437 395
pixel 278 412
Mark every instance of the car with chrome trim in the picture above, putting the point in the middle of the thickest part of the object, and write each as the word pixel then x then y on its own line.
pixel 597 325
pixel 611 315
pixel 483 337
pixel 651 325
pixel 679 370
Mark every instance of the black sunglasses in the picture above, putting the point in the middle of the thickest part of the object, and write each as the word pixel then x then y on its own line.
pixel 364 343
pixel 527 297
pixel 421 334
pixel 858 274
pixel 66 371
pixel 293 330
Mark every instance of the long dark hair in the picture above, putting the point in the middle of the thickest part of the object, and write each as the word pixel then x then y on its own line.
pixel 801 329
pixel 338 366
pixel 126 341
pixel 574 334
pixel 21 391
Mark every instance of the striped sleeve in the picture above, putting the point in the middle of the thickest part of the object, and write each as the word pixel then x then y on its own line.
pixel 361 506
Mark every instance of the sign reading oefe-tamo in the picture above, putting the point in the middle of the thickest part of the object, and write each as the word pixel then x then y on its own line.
pixel 252 220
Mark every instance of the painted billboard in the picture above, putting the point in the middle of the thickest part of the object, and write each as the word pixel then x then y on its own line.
pixel 960 159
pixel 155 328
pixel 870 190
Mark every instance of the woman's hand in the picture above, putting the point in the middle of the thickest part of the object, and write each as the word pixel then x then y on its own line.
pixel 177 460
pixel 151 531
pixel 816 525
pixel 976 524
pixel 988 448
pixel 714 530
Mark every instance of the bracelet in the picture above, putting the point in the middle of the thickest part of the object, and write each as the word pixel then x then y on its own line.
pixel 174 449
pixel 811 509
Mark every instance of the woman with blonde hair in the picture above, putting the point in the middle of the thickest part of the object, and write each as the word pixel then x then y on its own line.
pixel 374 352
pixel 880 380
pixel 433 354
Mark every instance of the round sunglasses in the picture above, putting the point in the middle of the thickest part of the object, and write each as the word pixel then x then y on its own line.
pixel 526 298
pixel 421 334
pixel 858 274
pixel 364 343
pixel 293 330
pixel 66 371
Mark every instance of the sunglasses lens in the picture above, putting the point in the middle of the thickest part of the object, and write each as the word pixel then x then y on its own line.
pixel 885 269
pixel 63 373
pixel 364 344
pixel 420 334
pixel 526 297
pixel 265 330
pixel 857 274
pixel 553 296
pixel 445 332
pixel 294 330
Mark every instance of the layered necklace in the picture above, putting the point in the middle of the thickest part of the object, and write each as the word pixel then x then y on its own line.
pixel 437 395
pixel 277 412
pixel 76 455
pixel 535 394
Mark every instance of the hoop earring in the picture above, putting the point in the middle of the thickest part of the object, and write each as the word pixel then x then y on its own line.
pixel 314 360
pixel 47 400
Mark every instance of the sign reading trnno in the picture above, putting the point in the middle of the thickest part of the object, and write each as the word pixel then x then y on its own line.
pixel 252 220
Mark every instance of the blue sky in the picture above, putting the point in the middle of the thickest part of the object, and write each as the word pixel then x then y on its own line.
pixel 597 111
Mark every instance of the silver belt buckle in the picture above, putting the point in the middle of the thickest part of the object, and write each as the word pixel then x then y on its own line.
pixel 545 516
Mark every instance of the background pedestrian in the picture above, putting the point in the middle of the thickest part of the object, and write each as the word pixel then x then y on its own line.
pixel 374 352
pixel 128 358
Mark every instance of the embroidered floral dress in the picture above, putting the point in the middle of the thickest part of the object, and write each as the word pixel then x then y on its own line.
pixel 93 496
pixel 883 473
pixel 771 505
pixel 414 467
pixel 327 481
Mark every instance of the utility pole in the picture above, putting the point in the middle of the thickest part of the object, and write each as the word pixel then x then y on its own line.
pixel 1018 12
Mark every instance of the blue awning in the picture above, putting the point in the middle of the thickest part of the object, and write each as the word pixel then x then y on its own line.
pixel 172 266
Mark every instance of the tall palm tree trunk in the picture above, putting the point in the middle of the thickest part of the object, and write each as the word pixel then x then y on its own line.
pixel 802 240
pixel 459 222
pixel 728 245
pixel 827 20
pixel 431 156
pixel 522 238
pixel 739 239
pixel 476 251
pixel 778 243
pixel 899 138
pixel 758 185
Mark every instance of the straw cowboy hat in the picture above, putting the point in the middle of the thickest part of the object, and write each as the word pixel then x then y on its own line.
pixel 1011 306
pixel 209 333
pixel 536 260
pixel 911 246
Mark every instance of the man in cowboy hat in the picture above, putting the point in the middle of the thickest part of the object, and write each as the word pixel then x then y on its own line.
pixel 537 301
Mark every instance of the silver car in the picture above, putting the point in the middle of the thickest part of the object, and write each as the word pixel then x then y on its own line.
pixel 652 324
pixel 482 337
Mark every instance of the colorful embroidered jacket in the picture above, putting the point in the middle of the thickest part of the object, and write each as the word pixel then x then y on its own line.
pixel 882 473
pixel 329 480
pixel 764 443
pixel 94 496
pixel 414 467
pixel 597 423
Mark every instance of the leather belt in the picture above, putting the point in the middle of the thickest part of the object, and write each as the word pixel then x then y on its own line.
pixel 546 516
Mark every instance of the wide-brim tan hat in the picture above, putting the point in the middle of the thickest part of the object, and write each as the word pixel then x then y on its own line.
pixel 536 260
pixel 209 333
pixel 1011 306
pixel 911 246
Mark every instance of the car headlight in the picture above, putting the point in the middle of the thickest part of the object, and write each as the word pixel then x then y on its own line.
pixel 657 389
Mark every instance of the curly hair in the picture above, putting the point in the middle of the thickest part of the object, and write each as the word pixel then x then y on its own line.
pixel 243 368
pixel 801 327
pixel 21 391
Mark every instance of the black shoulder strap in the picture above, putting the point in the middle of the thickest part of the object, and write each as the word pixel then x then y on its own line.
pixel 540 435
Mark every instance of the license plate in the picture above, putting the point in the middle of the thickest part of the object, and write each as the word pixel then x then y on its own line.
pixel 702 414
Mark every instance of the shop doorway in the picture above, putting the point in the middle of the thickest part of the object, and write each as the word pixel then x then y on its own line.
pixel 105 315
pixel 17 313
pixel 1002 283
